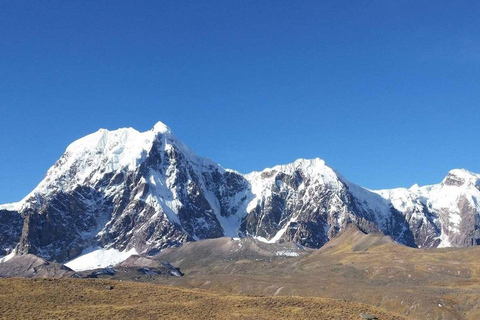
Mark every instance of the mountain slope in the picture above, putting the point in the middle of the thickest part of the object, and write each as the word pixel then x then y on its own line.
pixel 443 215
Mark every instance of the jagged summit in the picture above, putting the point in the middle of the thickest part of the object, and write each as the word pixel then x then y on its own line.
pixel 119 140
pixel 461 177
pixel 297 164
pixel 104 138
pixel 87 160
pixel 161 127
pixel 315 169
pixel 314 166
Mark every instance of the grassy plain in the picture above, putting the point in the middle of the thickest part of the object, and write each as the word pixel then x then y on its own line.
pixel 107 299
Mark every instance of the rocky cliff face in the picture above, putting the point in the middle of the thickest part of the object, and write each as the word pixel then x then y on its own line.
pixel 442 215
pixel 308 202
pixel 11 224
pixel 146 191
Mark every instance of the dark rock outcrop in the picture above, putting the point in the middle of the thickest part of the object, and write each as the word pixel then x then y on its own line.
pixel 11 224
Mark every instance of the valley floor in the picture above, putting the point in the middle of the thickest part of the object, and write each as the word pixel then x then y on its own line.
pixel 105 299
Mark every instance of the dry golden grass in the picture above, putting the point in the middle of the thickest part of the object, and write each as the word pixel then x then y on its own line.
pixel 94 299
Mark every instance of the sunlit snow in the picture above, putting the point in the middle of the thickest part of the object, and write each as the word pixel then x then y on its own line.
pixel 99 258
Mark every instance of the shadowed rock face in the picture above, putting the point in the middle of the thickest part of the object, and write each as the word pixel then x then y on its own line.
pixel 469 226
pixel 125 189
pixel 54 230
pixel 11 224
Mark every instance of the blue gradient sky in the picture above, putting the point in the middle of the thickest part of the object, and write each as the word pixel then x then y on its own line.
pixel 387 92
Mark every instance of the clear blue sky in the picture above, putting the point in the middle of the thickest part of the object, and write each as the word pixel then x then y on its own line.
pixel 387 92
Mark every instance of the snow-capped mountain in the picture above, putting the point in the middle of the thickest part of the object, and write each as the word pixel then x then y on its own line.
pixel 308 202
pixel 144 191
pixel 126 189
pixel 444 214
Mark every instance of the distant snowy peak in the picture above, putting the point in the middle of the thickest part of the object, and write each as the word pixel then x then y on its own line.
pixel 462 177
pixel 316 165
pixel 293 175
pixel 161 127
pixel 312 169
pixel 457 181
pixel 308 202
pixel 451 207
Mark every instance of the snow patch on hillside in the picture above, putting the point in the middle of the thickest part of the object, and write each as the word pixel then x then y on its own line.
pixel 287 253
pixel 99 258
pixel 7 257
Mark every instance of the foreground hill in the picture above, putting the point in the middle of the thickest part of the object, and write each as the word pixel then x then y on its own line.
pixel 87 299
pixel 368 268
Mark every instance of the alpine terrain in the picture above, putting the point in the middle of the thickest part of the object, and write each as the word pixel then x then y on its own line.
pixel 113 194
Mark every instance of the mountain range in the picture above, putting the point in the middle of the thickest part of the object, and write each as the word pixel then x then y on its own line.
pixel 141 192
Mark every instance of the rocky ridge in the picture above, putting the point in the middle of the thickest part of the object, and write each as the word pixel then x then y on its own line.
pixel 146 191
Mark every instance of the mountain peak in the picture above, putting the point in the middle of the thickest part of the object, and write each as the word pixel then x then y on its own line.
pixel 309 162
pixel 161 127
pixel 460 177
pixel 104 139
